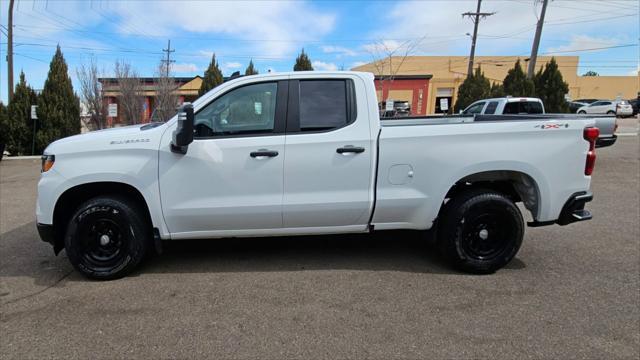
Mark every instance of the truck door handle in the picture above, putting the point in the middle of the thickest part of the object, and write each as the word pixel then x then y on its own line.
pixel 263 153
pixel 350 149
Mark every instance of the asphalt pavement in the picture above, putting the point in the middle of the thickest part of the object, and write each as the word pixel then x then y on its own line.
pixel 572 292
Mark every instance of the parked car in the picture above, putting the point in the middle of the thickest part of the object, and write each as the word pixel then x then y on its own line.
pixel 574 106
pixel 524 105
pixel 609 107
pixel 304 153
pixel 506 105
pixel 586 101
pixel 400 109
pixel 634 106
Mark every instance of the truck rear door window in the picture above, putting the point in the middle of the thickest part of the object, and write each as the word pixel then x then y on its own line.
pixel 323 105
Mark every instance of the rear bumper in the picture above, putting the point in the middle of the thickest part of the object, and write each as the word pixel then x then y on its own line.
pixel 572 211
pixel 608 141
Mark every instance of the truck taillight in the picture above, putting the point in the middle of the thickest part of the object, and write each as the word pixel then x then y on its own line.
pixel 591 135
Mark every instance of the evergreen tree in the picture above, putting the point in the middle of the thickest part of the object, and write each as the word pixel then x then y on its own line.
pixel 551 88
pixel 19 122
pixel 517 84
pixel 58 105
pixel 474 87
pixel 303 63
pixel 251 70
pixel 497 90
pixel 591 73
pixel 212 77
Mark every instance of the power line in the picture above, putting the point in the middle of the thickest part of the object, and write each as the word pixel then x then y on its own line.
pixel 591 49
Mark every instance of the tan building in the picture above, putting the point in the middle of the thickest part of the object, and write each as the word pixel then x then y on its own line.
pixel 448 72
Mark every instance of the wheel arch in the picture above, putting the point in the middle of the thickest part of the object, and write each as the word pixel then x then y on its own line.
pixel 516 185
pixel 70 199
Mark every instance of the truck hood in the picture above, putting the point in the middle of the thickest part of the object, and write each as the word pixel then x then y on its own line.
pixel 134 136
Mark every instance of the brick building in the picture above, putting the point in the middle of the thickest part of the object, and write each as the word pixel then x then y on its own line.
pixel 412 88
pixel 187 91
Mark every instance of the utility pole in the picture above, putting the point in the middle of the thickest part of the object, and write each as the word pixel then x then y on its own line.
pixel 475 17
pixel 10 51
pixel 536 41
pixel 168 60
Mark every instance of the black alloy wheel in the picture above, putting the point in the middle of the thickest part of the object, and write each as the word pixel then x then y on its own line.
pixel 106 238
pixel 481 231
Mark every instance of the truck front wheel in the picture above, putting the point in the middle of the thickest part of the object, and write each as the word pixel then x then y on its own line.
pixel 106 238
pixel 481 231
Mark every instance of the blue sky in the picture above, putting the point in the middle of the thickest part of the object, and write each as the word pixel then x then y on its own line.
pixel 336 34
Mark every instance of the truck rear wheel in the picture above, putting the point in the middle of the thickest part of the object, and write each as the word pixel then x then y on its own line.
pixel 106 238
pixel 481 231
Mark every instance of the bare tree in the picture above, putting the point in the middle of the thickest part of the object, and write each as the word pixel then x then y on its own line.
pixel 166 97
pixel 91 95
pixel 388 58
pixel 130 92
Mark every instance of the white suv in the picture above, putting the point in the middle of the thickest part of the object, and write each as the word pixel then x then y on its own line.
pixel 611 107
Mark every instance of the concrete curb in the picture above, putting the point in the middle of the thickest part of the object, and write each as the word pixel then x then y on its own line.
pixel 35 157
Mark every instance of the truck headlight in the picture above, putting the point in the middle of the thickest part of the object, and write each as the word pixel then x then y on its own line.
pixel 47 162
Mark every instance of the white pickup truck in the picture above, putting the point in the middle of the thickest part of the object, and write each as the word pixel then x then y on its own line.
pixel 306 153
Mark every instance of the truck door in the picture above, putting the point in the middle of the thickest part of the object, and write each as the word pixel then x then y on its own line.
pixel 329 162
pixel 231 178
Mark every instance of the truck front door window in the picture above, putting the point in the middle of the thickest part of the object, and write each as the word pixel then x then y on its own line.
pixel 475 109
pixel 245 110
pixel 491 108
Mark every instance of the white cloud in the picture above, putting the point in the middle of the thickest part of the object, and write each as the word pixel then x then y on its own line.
pixel 384 47
pixel 358 63
pixel 184 68
pixel 339 50
pixel 323 66
pixel 581 42
pixel 509 31
pixel 232 65
pixel 269 28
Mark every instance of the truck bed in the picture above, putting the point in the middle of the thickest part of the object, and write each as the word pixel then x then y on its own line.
pixel 458 119
pixel 418 166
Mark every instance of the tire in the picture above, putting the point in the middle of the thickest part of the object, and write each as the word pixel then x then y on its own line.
pixel 125 245
pixel 481 231
pixel 611 112
pixel 582 112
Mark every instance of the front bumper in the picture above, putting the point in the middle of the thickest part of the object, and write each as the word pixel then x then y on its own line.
pixel 572 211
pixel 608 141
pixel 46 233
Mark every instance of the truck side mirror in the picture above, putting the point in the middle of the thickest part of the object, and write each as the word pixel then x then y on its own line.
pixel 183 134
